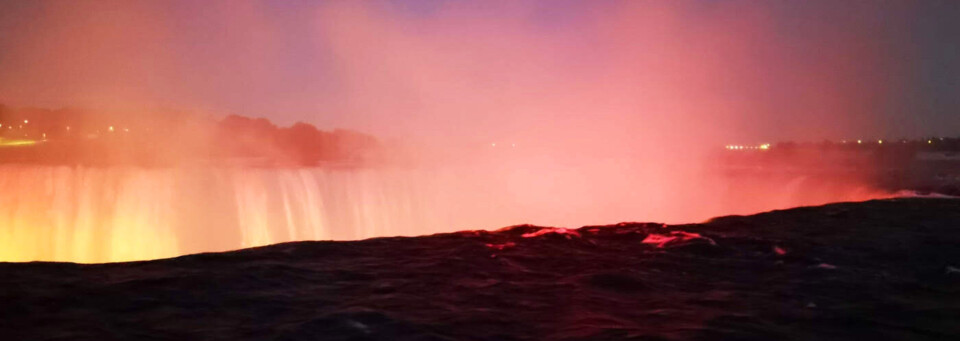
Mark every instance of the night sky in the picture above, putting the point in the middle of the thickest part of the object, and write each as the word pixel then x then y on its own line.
pixel 485 70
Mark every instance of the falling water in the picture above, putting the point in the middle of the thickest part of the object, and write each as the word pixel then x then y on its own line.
pixel 110 214
pixel 115 214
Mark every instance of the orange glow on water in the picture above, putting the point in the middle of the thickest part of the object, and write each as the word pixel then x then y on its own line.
pixel 121 214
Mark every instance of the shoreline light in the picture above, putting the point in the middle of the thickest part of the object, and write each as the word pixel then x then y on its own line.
pixel 765 146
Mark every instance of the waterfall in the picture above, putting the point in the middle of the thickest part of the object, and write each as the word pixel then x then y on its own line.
pixel 89 215
pixel 121 214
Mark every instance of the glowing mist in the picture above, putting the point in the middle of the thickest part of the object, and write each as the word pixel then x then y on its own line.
pixel 124 213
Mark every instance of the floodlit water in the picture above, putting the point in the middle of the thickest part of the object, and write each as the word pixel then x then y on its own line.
pixel 884 270
pixel 82 214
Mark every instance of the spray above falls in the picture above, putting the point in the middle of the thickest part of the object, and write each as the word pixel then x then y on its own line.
pixel 177 127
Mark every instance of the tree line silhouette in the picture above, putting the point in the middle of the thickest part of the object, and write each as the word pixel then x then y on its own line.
pixel 70 135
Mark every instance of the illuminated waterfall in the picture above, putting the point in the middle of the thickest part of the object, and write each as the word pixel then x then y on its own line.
pixel 119 214
pixel 111 214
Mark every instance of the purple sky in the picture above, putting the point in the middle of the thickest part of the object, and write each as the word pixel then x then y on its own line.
pixel 486 70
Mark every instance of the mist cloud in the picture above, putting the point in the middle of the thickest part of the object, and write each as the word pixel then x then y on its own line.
pixel 455 71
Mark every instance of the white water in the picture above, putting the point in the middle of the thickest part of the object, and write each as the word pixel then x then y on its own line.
pixel 117 214
pixel 112 214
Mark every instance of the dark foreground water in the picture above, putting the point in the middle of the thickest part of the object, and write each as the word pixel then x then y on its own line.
pixel 879 270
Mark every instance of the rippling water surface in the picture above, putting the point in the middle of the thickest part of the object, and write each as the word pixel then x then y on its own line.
pixel 884 270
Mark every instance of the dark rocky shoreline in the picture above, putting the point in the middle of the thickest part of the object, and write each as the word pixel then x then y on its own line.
pixel 884 270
